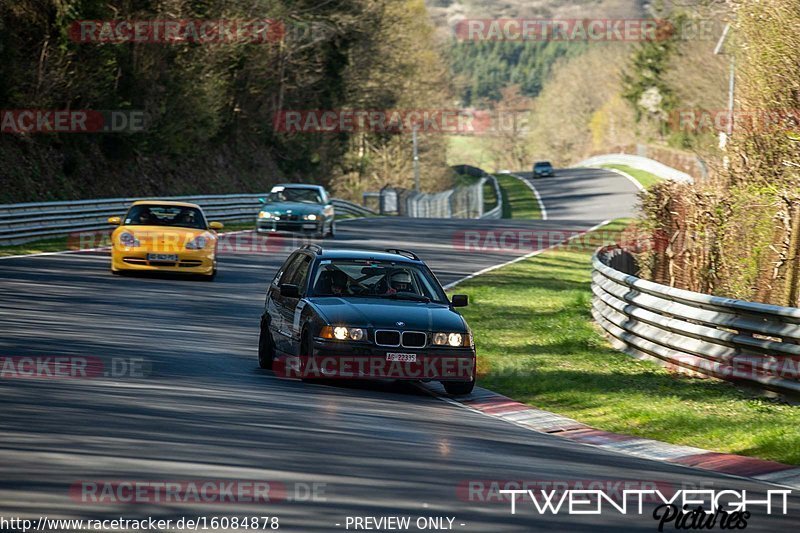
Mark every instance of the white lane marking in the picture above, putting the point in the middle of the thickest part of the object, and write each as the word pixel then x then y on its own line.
pixel 535 193
pixel 523 257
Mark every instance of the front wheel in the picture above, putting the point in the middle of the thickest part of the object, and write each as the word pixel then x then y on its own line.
pixel 332 229
pixel 458 388
pixel 266 349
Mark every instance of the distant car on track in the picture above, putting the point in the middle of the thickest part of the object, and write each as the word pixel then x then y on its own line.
pixel 361 314
pixel 543 169
pixel 297 208
pixel 164 236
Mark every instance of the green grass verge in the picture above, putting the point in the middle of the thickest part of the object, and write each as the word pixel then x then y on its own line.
pixel 646 179
pixel 537 343
pixel 518 200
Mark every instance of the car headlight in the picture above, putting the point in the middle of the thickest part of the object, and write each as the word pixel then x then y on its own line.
pixel 264 214
pixel 440 339
pixel 342 333
pixel 312 216
pixel 198 243
pixel 128 240
pixel 452 339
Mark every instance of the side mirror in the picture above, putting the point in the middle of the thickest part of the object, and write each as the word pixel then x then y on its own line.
pixel 459 300
pixel 290 291
pixel 216 226
pixel 116 221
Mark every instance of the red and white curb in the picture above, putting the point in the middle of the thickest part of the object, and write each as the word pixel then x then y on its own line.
pixel 498 406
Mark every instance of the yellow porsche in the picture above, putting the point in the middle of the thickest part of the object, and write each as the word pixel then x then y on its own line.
pixel 166 236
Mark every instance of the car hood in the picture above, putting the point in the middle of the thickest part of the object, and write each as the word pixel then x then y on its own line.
pixel 385 313
pixel 297 208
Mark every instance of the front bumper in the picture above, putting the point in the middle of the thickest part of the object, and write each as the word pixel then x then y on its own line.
pixel 289 226
pixel 189 261
pixel 351 360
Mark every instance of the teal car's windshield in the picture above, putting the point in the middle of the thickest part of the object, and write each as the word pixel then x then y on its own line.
pixel 364 278
pixel 308 196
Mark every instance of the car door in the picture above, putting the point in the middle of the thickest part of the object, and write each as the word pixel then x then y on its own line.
pixel 276 302
pixel 293 307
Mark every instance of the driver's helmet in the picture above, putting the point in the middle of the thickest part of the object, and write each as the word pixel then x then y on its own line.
pixel 145 215
pixel 338 282
pixel 400 281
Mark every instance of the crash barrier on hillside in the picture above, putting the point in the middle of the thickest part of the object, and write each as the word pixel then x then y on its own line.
pixel 735 340
pixel 642 163
pixel 466 201
pixel 21 223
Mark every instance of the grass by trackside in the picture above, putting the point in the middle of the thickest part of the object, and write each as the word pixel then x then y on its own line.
pixel 537 343
pixel 646 179
pixel 518 199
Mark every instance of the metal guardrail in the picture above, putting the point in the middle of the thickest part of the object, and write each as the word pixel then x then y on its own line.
pixel 642 163
pixel 735 340
pixel 25 222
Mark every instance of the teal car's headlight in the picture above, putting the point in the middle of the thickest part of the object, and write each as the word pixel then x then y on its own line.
pixel 311 216
pixel 265 214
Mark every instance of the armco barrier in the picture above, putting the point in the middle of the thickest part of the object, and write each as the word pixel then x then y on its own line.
pixel 748 342
pixel 21 223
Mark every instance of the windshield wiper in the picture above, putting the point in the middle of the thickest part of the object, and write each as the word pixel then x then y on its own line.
pixel 407 296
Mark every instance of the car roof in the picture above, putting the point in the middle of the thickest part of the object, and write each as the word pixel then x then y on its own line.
pixel 165 202
pixel 353 253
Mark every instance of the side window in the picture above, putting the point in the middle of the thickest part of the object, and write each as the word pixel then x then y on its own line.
pixel 300 275
pixel 286 271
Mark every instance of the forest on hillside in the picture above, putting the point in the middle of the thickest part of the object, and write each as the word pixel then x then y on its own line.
pixel 210 108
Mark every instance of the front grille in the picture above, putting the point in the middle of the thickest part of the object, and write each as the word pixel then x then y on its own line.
pixel 414 339
pixel 387 337
pixel 289 217
pixel 190 263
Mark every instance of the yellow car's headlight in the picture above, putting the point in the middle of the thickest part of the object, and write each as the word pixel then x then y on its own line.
pixel 198 243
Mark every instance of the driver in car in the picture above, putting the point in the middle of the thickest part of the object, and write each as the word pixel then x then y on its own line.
pixel 400 281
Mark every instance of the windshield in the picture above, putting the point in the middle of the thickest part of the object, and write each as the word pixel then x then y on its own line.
pixel 165 215
pixel 308 196
pixel 543 165
pixel 362 278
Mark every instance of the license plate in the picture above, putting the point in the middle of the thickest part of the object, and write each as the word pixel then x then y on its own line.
pixel 162 257
pixel 309 226
pixel 402 357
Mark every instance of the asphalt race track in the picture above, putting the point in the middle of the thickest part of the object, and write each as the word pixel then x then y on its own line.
pixel 199 408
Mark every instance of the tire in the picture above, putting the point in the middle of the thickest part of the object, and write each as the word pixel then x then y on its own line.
pixel 266 349
pixel 210 277
pixel 115 272
pixel 332 230
pixel 458 388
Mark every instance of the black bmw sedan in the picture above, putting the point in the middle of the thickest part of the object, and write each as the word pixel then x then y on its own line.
pixel 359 314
